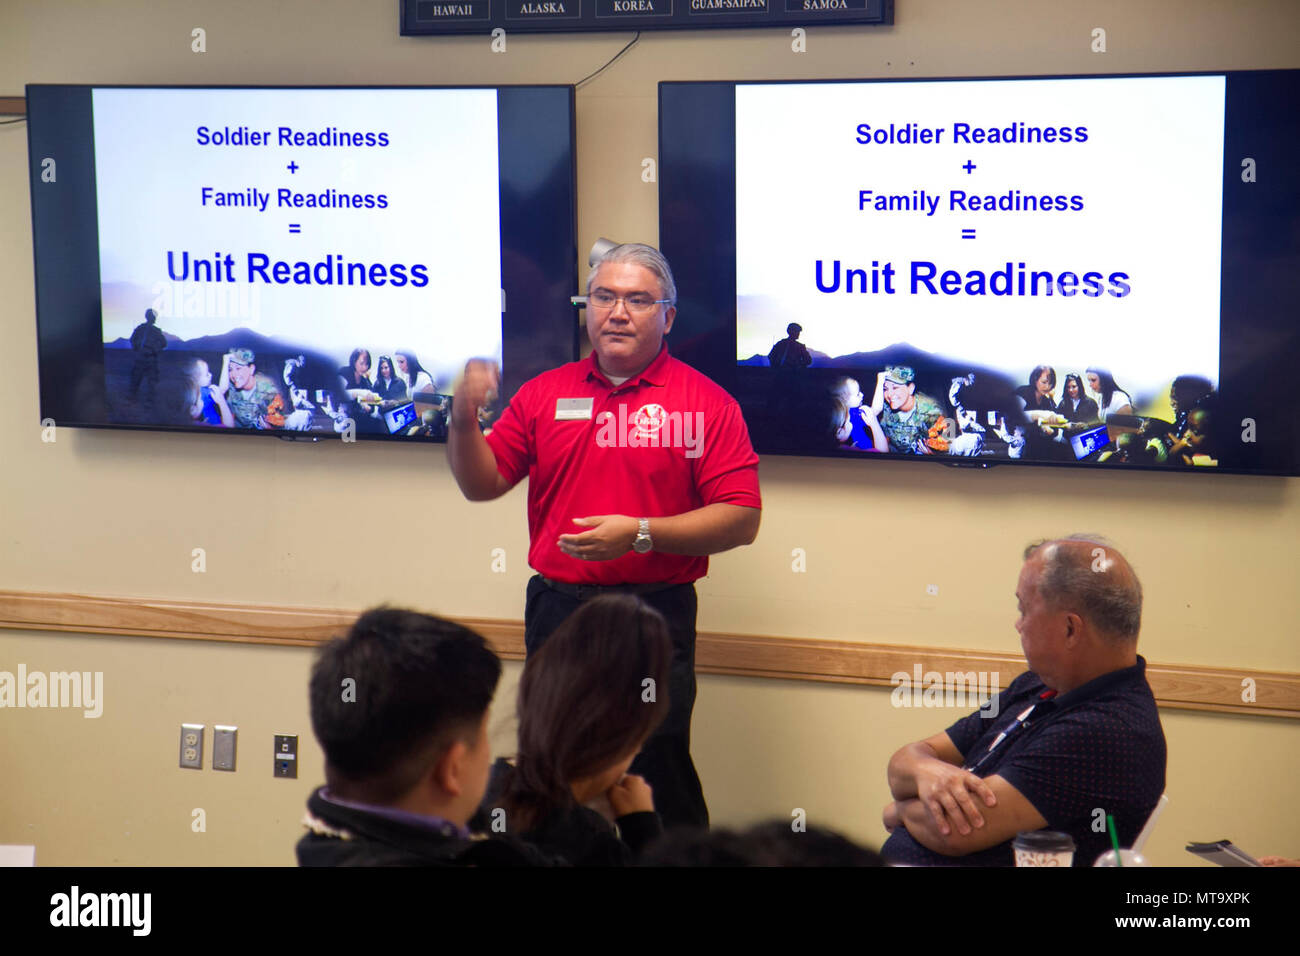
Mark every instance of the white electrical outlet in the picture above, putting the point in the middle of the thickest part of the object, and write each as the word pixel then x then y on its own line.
pixel 192 746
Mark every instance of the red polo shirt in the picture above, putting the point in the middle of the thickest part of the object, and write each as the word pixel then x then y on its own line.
pixel 667 441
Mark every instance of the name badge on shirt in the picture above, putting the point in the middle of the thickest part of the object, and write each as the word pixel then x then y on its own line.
pixel 573 409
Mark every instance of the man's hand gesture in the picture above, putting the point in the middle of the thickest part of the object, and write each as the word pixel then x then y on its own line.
pixel 478 388
pixel 611 536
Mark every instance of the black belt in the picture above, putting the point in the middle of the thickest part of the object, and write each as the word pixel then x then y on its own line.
pixel 584 592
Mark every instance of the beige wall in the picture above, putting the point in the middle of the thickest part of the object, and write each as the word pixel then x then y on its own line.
pixel 118 513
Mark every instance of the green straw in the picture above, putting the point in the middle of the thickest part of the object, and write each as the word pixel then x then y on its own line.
pixel 1114 839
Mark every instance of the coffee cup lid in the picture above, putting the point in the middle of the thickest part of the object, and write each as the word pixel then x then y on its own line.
pixel 1044 840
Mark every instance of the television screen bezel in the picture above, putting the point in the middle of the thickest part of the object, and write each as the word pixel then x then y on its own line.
pixel 703 344
pixel 562 339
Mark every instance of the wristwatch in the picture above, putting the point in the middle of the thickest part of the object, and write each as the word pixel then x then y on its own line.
pixel 642 544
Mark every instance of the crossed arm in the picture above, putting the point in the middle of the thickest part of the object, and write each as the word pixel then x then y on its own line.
pixel 950 810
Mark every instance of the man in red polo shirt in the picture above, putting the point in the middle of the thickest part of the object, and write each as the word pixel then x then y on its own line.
pixel 638 468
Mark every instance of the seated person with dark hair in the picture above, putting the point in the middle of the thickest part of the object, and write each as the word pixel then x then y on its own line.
pixel 400 707
pixel 388 384
pixel 1072 740
pixel 1075 405
pixel 1191 398
pixel 588 699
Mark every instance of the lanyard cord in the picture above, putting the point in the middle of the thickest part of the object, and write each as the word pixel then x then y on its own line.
pixel 1018 723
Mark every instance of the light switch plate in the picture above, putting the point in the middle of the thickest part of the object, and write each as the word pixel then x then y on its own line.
pixel 192 746
pixel 223 746
pixel 286 755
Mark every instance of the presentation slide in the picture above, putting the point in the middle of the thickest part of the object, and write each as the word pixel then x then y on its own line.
pixel 1057 238
pixel 297 259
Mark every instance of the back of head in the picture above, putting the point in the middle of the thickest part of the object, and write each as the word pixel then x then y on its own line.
pixel 839 413
pixel 417 684
pixel 843 387
pixel 768 844
pixel 1191 389
pixel 593 693
pixel 1087 575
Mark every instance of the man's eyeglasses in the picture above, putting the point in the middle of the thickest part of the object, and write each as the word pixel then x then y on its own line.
pixel 637 302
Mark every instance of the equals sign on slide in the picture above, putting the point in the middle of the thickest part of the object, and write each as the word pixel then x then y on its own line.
pixel 968 233
pixel 295 228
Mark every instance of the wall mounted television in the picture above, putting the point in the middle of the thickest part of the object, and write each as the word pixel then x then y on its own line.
pixel 306 262
pixel 1097 271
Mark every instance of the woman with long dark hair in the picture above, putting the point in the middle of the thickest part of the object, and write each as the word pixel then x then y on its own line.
pixel 388 384
pixel 588 699
pixel 1113 399
pixel 1075 404
pixel 416 375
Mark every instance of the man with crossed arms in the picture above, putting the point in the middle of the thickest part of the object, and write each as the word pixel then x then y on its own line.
pixel 1075 739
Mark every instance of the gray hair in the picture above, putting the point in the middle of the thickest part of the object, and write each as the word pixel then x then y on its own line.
pixel 1086 574
pixel 642 255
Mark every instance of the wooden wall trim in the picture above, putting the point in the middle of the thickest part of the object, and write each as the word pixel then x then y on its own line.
pixel 13 106
pixel 1189 687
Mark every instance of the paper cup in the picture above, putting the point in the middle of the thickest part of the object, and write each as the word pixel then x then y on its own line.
pixel 1043 848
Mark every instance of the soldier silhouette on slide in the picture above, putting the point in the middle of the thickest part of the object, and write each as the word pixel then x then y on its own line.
pixel 146 341
pixel 790 352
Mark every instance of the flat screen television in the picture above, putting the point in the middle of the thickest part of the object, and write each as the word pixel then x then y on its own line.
pixel 305 262
pixel 1087 271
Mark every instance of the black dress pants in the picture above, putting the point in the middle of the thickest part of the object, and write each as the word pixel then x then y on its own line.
pixel 665 759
